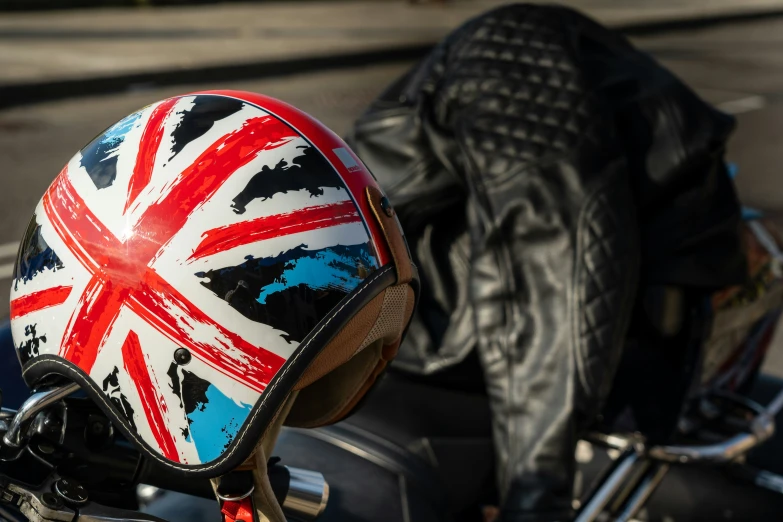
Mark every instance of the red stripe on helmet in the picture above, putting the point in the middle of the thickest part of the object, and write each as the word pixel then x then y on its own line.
pixel 30 303
pixel 154 405
pixel 203 178
pixel 277 225
pixel 91 322
pixel 326 141
pixel 148 150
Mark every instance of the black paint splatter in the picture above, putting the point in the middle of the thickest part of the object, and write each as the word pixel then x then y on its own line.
pixel 230 431
pixel 191 391
pixel 175 387
pixel 201 117
pixel 310 171
pixel 111 387
pixel 194 392
pixel 34 256
pixel 296 309
pixel 30 348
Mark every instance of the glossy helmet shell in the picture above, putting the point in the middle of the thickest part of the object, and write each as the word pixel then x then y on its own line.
pixel 201 259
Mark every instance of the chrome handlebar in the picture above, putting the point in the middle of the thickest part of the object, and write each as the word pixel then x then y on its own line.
pixel 639 469
pixel 721 452
pixel 17 428
pixel 761 429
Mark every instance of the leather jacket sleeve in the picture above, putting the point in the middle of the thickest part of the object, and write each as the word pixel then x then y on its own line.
pixel 519 155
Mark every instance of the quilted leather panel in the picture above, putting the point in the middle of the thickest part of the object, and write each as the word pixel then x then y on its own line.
pixel 515 74
pixel 605 285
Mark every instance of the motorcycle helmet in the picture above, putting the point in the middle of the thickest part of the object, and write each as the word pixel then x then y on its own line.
pixel 201 263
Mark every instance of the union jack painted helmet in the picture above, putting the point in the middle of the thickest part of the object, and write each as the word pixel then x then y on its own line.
pixel 202 262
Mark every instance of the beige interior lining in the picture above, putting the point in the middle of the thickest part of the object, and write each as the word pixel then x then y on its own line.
pixel 321 401
pixel 391 320
pixel 332 395
pixel 345 344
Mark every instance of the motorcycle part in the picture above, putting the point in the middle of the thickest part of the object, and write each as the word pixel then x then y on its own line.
pixel 308 494
pixel 609 487
pixel 16 434
pixel 643 491
pixel 762 428
pixel 636 490
pixel 71 492
pixel 44 503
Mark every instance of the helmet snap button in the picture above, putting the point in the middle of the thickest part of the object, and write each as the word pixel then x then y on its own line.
pixel 386 206
pixel 182 356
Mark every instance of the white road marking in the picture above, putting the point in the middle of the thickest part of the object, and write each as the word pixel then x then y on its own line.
pixel 6 270
pixel 9 249
pixel 747 104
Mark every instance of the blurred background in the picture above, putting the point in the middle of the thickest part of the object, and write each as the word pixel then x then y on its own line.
pixel 70 68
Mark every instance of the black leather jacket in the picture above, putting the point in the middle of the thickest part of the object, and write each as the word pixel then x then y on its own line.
pixel 543 169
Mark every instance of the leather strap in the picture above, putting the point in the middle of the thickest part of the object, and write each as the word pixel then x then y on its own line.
pixel 392 230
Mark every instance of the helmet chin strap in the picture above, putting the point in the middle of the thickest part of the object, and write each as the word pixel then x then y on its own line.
pixel 246 493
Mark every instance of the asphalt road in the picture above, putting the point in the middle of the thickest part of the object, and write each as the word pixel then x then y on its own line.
pixel 739 68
